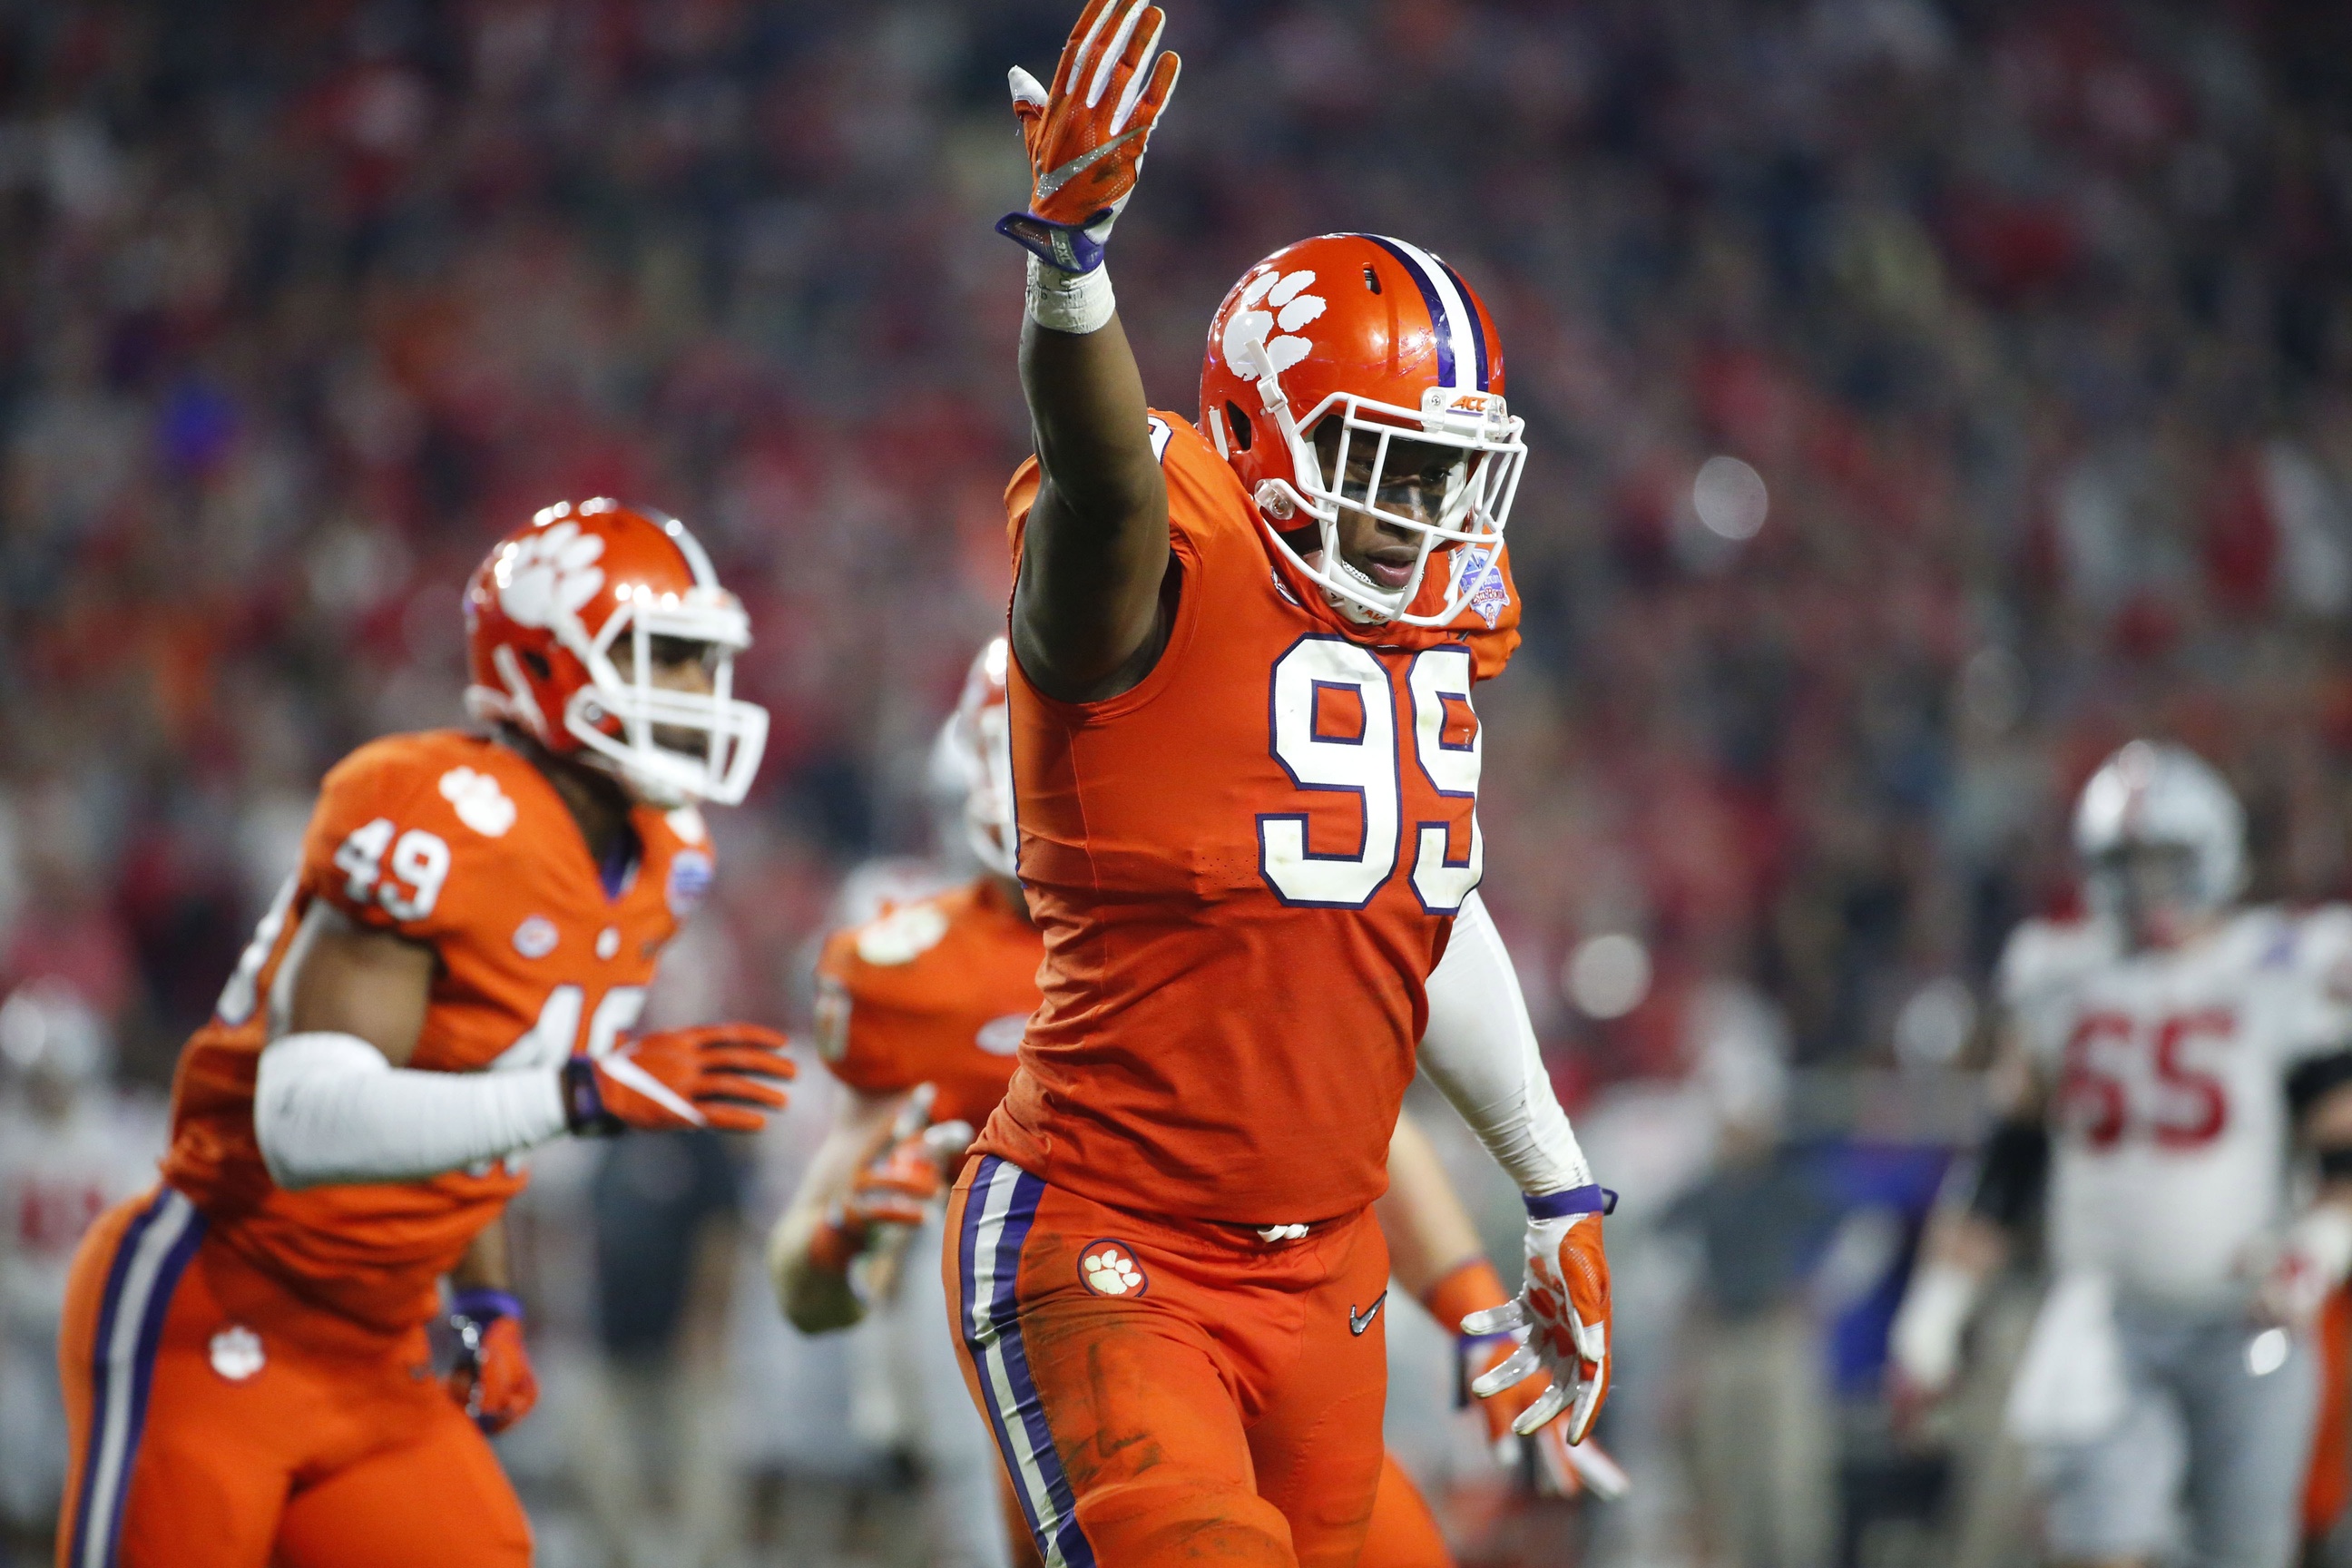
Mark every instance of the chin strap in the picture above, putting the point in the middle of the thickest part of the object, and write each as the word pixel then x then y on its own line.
pixel 1361 615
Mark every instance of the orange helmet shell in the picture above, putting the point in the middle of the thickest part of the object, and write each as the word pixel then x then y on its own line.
pixel 1392 321
pixel 1391 342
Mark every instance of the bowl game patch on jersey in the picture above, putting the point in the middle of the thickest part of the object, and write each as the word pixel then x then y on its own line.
pixel 691 872
pixel 1477 574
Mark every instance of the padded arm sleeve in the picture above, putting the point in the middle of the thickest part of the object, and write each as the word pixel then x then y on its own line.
pixel 328 1108
pixel 1480 1051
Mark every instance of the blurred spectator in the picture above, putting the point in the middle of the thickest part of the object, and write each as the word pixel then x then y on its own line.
pixel 653 1435
pixel 71 1146
pixel 1763 1441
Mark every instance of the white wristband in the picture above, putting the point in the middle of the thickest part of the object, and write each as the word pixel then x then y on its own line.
pixel 1063 301
pixel 2322 1237
pixel 1925 1341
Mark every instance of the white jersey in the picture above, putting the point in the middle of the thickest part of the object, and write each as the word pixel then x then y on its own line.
pixel 2167 1075
pixel 56 1178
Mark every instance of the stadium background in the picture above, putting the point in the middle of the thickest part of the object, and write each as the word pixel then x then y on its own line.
pixel 1924 395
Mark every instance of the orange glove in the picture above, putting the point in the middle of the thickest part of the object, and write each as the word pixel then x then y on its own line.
pixel 1563 1308
pixel 1085 137
pixel 491 1380
pixel 715 1075
pixel 904 1174
pixel 1551 1468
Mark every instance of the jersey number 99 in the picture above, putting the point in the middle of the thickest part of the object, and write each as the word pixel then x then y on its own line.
pixel 1312 741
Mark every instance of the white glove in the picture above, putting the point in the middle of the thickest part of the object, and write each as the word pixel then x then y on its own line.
pixel 2313 1258
pixel 1924 1342
pixel 1561 1315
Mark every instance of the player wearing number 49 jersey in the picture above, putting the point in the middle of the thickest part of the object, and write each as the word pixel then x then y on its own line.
pixel 2163 1056
pixel 453 976
pixel 1245 767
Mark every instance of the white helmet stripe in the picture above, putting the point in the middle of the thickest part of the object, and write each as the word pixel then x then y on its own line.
pixel 1453 314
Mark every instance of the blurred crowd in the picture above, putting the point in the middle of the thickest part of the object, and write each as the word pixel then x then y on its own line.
pixel 1924 397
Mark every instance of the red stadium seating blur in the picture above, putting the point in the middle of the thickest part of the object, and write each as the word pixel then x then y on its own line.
pixel 2033 319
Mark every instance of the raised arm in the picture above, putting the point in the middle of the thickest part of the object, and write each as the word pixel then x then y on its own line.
pixel 1088 616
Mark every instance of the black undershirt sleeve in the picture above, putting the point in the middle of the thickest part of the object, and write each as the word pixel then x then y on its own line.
pixel 2011 1172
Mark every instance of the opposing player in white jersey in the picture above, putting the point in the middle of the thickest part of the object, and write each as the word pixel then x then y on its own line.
pixel 71 1147
pixel 2165 1061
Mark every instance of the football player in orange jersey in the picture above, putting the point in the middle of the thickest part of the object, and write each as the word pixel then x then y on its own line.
pixel 1245 767
pixel 920 1013
pixel 451 978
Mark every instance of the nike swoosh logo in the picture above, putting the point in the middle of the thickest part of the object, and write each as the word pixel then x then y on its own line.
pixel 1358 1322
pixel 1055 179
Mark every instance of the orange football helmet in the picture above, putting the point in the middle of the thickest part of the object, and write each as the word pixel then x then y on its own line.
pixel 544 612
pixel 1389 340
pixel 978 739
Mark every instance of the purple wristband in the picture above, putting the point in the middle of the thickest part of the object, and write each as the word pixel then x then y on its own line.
pixel 1590 1198
pixel 482 1303
pixel 583 1104
pixel 1066 245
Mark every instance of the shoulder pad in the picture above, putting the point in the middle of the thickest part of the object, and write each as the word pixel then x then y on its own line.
pixel 903 935
pixel 2044 954
pixel 402 819
pixel 443 765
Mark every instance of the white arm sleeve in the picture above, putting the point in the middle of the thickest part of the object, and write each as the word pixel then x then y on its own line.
pixel 1480 1051
pixel 328 1108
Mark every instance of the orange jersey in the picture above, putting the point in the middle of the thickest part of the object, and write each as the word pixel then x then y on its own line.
pixel 1245 869
pixel 457 842
pixel 937 991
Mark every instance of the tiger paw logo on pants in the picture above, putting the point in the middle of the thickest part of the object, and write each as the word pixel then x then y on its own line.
pixel 1109 1269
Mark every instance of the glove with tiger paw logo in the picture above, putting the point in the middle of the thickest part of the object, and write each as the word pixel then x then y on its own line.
pixel 1561 1315
pixel 1085 135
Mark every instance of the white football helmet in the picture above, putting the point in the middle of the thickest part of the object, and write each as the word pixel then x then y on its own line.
pixel 979 737
pixel 2156 795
